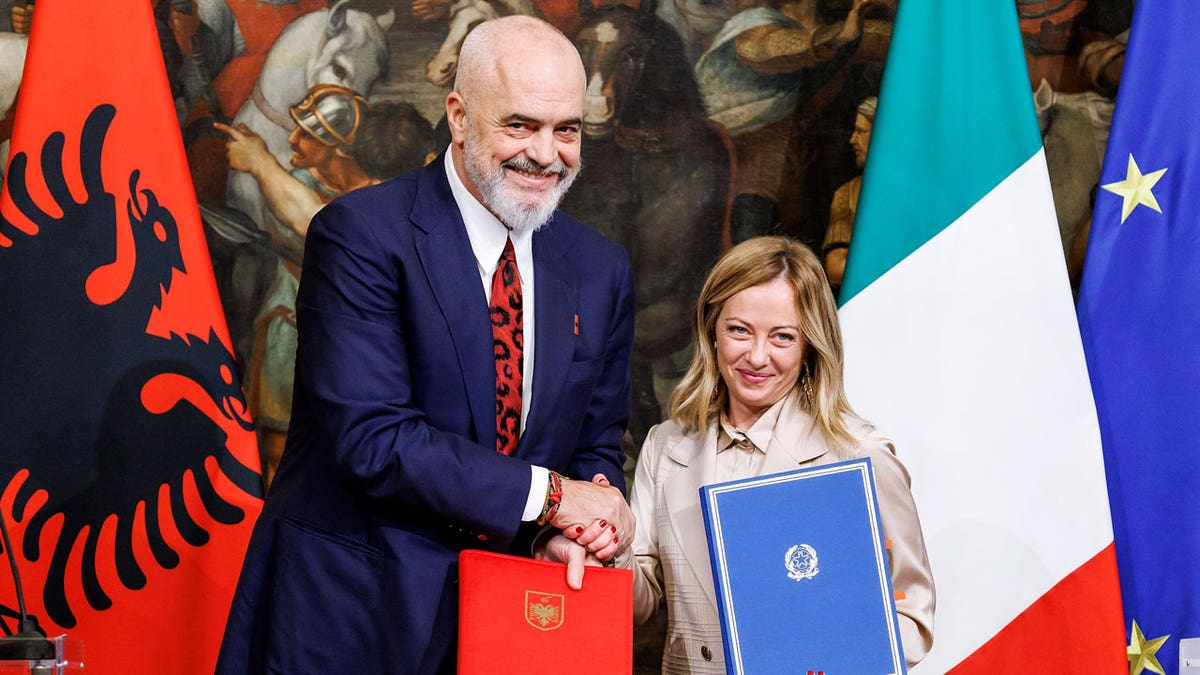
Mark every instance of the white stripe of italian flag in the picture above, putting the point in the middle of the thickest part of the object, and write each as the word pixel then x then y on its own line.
pixel 962 344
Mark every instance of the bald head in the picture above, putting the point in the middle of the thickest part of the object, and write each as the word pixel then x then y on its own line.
pixel 514 116
pixel 501 46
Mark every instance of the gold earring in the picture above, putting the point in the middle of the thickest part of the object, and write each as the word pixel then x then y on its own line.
pixel 807 385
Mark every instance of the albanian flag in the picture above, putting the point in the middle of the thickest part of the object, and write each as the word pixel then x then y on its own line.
pixel 129 476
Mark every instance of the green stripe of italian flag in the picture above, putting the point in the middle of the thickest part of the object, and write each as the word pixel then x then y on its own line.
pixel 962 344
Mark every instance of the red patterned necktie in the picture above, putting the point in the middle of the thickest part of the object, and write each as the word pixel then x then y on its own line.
pixel 509 344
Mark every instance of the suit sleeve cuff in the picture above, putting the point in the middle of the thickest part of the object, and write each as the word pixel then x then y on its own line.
pixel 538 478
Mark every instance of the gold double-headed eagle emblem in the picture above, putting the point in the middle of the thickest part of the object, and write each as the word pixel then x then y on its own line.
pixel 544 611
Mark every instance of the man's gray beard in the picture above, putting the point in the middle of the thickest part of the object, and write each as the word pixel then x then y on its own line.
pixel 516 216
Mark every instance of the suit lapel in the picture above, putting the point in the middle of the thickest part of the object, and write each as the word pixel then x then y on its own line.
pixel 556 302
pixel 450 267
pixel 682 495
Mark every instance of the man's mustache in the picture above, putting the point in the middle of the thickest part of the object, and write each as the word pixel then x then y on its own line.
pixel 529 166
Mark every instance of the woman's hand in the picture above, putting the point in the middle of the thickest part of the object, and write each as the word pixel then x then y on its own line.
pixel 600 538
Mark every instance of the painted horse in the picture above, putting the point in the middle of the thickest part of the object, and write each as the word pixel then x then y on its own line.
pixel 465 15
pixel 340 46
pixel 658 180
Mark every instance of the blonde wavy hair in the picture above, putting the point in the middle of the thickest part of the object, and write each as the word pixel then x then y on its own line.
pixel 700 396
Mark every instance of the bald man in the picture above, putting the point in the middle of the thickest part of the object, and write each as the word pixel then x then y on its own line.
pixel 462 378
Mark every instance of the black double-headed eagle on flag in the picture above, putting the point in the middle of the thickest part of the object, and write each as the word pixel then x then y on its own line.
pixel 117 440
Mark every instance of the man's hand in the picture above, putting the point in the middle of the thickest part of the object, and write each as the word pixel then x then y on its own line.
pixel 21 16
pixel 560 549
pixel 584 502
pixel 245 150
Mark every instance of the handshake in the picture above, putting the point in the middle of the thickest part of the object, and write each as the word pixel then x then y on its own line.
pixel 594 524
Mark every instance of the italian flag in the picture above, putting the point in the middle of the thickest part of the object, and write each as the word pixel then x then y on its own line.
pixel 962 344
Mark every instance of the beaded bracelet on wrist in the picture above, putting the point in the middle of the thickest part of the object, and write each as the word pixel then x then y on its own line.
pixel 553 498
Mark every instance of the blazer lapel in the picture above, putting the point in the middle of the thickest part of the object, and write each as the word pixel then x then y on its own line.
pixel 556 302
pixel 682 494
pixel 796 441
pixel 450 267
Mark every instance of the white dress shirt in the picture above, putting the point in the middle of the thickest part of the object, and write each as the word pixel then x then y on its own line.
pixel 487 235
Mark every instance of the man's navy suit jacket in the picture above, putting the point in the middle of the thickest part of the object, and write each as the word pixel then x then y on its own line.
pixel 390 467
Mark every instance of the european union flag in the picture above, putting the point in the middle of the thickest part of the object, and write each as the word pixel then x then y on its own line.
pixel 1139 313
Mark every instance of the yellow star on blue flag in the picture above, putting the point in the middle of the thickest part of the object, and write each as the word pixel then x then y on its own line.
pixel 1142 652
pixel 1136 189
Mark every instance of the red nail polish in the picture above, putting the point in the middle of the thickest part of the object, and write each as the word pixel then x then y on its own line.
pixel 603 522
pixel 614 528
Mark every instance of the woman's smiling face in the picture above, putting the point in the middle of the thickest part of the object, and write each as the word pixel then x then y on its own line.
pixel 759 348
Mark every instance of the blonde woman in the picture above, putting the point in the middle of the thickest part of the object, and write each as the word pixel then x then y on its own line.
pixel 763 394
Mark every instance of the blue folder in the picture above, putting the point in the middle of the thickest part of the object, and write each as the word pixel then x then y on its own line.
pixel 801 573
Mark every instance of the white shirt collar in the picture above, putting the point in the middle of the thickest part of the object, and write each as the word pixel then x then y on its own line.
pixel 485 231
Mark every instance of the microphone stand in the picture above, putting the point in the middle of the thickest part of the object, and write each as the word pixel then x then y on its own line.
pixel 29 643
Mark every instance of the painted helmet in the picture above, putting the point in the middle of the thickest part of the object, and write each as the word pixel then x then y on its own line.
pixel 331 114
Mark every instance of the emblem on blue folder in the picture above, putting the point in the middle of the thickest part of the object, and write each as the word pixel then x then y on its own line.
pixel 801 562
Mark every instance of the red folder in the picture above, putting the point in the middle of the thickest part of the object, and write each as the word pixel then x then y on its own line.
pixel 517 615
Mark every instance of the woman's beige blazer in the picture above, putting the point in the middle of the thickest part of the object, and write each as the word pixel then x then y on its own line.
pixel 669 554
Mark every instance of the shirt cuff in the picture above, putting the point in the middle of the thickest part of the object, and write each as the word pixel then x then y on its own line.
pixel 538 478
